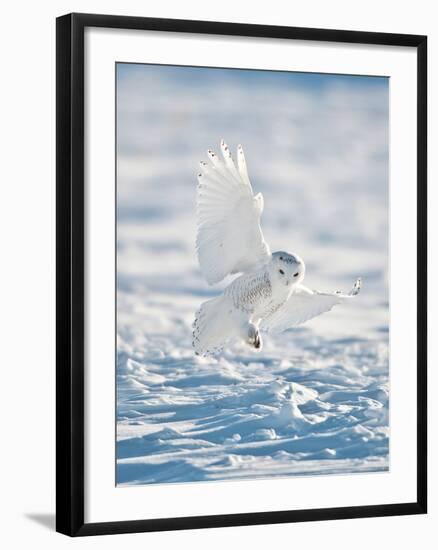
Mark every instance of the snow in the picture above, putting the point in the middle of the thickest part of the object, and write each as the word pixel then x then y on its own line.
pixel 315 400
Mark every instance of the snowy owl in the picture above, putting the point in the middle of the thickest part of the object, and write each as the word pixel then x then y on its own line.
pixel 267 295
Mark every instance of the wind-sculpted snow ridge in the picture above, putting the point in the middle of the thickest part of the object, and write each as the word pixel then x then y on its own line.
pixel 186 419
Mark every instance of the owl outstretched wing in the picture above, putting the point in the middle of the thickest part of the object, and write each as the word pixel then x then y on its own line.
pixel 304 304
pixel 229 238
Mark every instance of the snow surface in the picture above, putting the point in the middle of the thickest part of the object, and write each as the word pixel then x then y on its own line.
pixel 315 400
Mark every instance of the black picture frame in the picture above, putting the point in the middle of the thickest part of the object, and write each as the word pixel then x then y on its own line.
pixel 70 273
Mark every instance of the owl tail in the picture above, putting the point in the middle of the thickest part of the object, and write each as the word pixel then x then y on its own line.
pixel 217 323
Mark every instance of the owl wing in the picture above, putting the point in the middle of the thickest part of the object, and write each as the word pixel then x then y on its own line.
pixel 229 238
pixel 304 304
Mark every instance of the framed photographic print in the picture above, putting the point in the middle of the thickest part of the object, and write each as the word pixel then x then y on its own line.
pixel 241 274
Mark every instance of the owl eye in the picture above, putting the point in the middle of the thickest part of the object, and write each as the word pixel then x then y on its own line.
pixel 281 271
pixel 296 274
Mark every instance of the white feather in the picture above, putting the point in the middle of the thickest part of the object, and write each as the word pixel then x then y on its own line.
pixel 217 324
pixel 229 238
pixel 304 304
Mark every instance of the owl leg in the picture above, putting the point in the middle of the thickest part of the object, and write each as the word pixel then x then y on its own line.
pixel 254 338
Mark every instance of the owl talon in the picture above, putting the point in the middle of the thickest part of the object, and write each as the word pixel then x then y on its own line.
pixel 254 338
pixel 258 341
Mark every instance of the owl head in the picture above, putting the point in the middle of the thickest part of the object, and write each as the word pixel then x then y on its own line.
pixel 288 269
